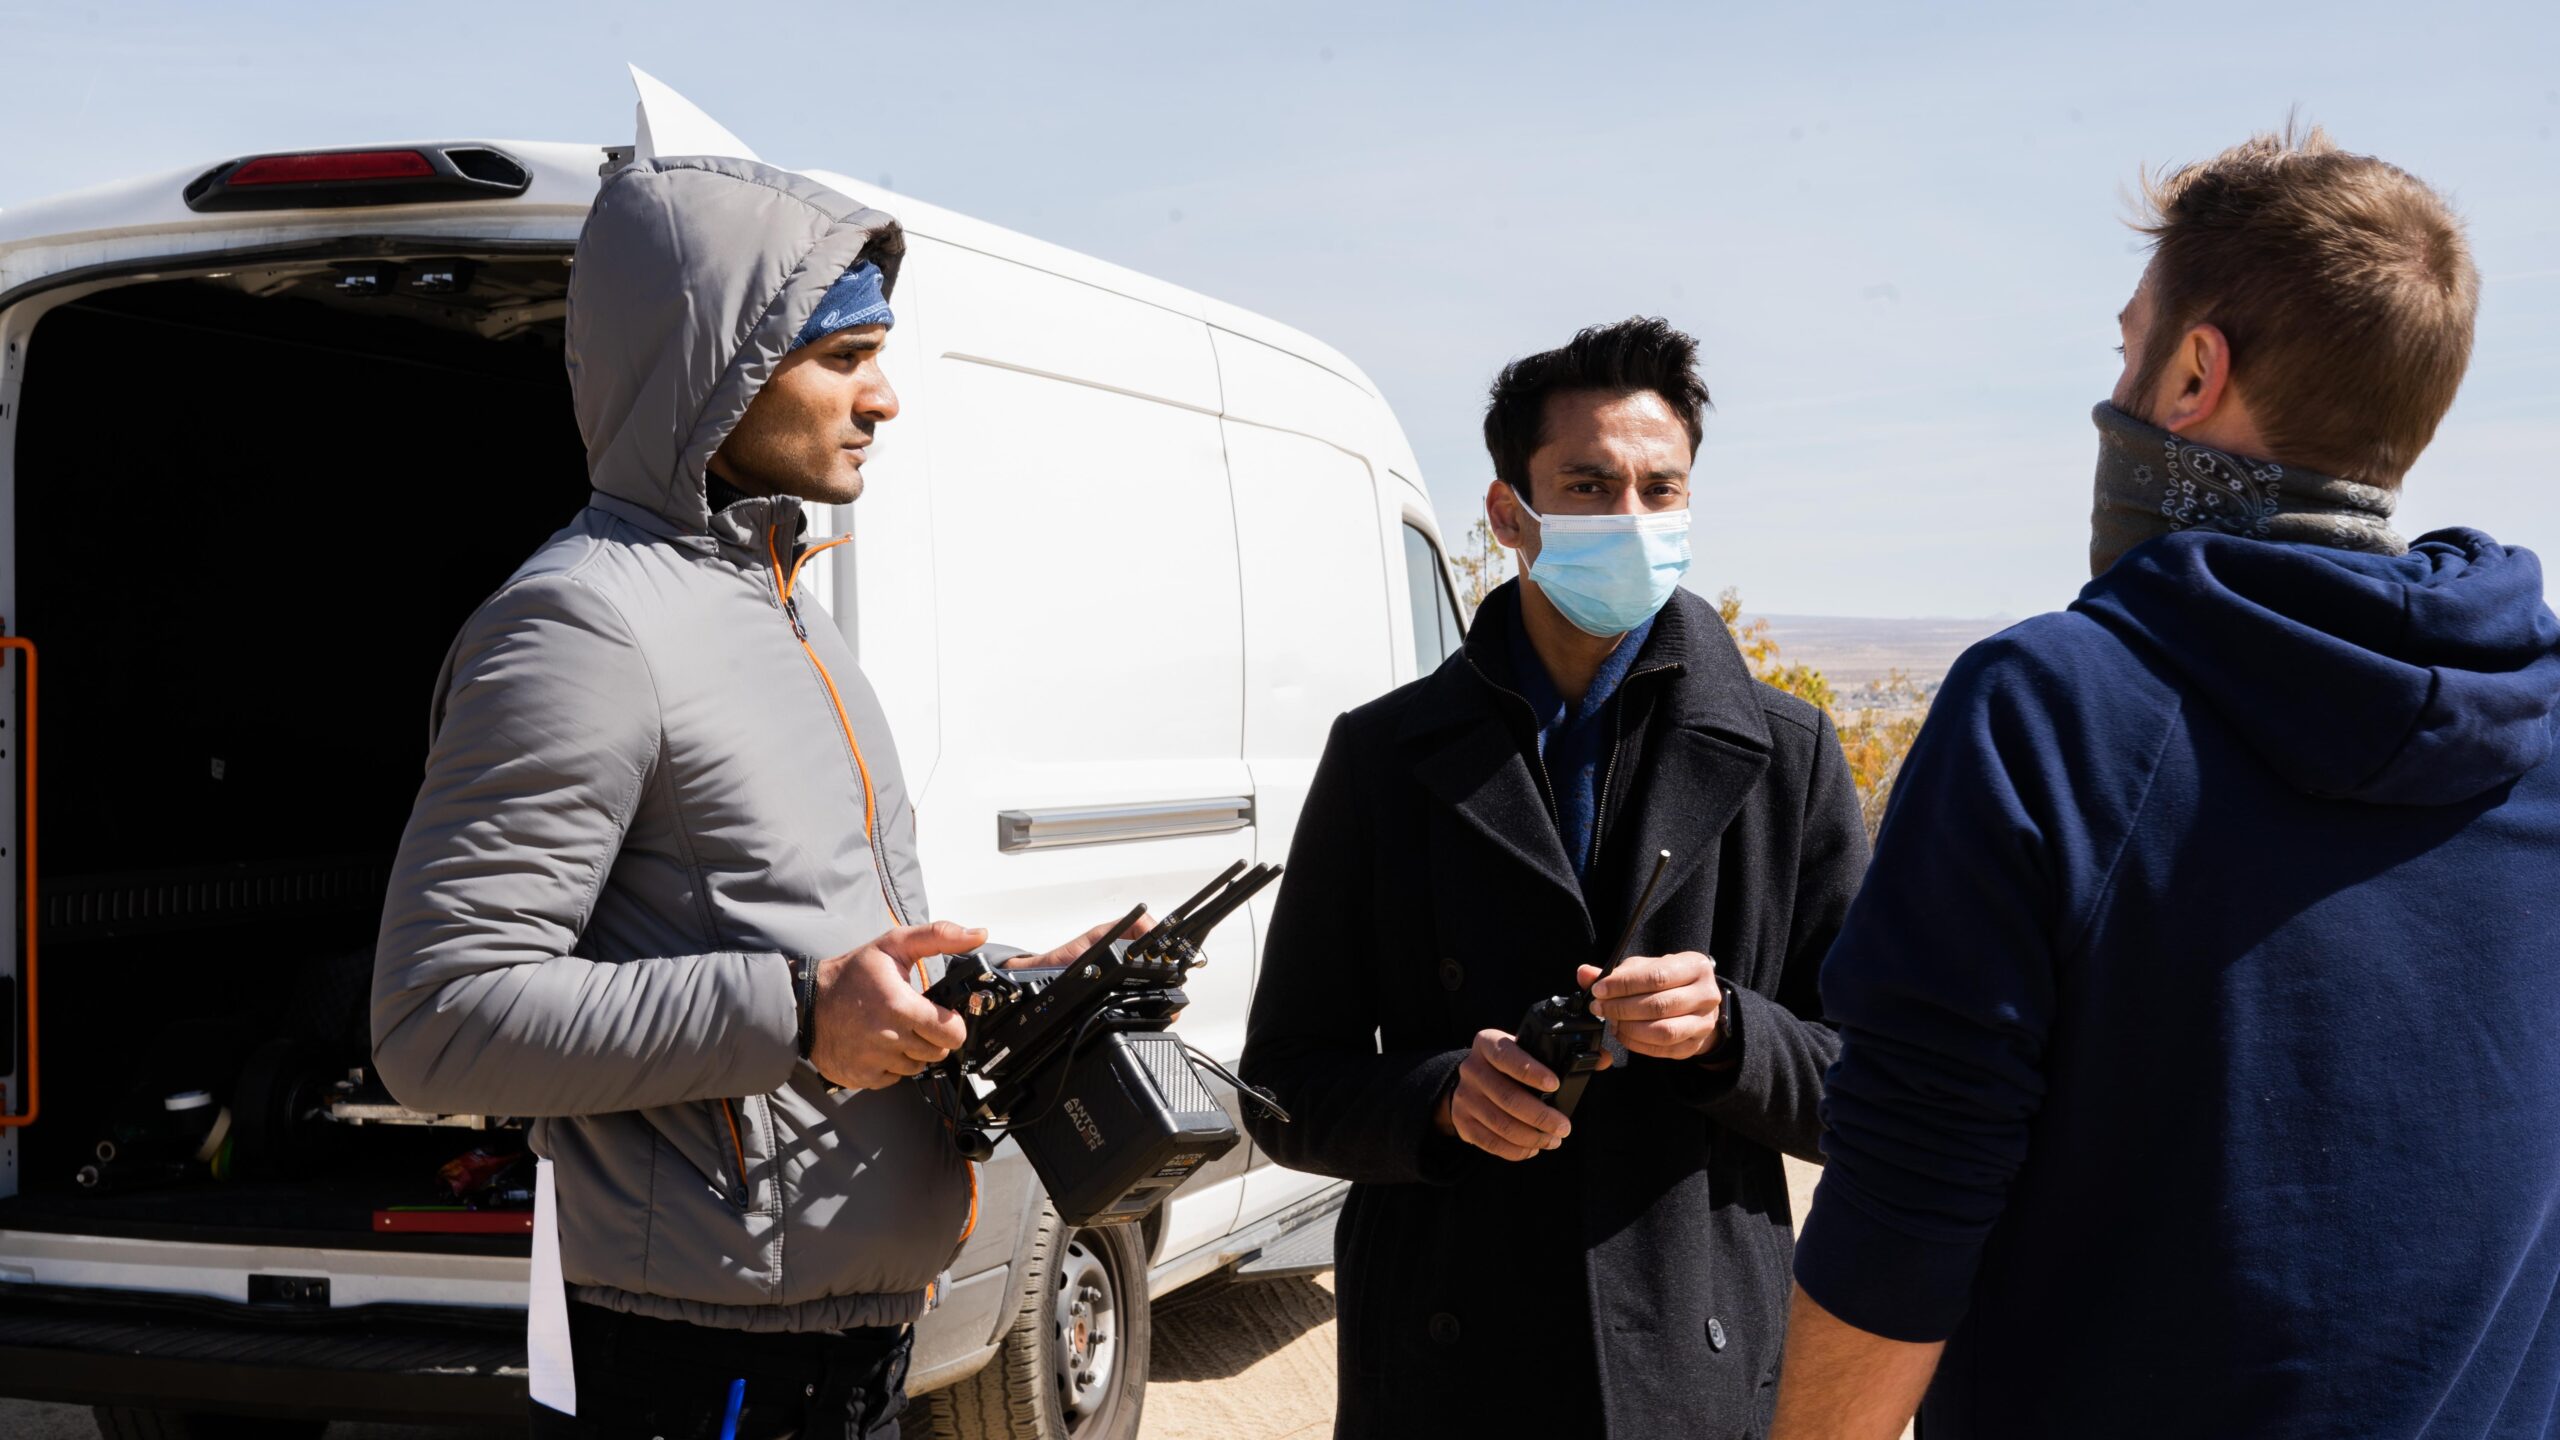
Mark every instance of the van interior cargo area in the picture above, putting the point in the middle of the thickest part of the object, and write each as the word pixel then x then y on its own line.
pixel 252 510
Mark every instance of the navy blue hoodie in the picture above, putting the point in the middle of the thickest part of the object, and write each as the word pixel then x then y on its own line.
pixel 2200 1017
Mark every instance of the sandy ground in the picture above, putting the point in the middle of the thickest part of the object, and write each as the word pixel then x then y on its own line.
pixel 1251 1362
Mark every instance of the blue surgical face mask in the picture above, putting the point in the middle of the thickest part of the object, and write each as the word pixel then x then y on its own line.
pixel 1610 573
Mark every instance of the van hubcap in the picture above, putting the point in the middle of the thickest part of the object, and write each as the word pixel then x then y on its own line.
pixel 1086 1310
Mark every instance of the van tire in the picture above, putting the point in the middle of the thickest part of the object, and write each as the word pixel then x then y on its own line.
pixel 1022 1393
pixel 119 1422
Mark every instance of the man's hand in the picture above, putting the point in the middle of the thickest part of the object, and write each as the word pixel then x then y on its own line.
pixel 1495 1105
pixel 1073 948
pixel 873 1027
pixel 1666 1006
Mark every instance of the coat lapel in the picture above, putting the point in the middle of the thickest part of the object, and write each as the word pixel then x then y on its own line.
pixel 1709 747
pixel 1466 755
pixel 1478 772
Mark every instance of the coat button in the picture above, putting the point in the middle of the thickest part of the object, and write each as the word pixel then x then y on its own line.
pixel 1715 1333
pixel 1444 1329
pixel 1452 975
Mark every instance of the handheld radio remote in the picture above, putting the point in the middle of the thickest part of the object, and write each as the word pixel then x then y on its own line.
pixel 1562 1033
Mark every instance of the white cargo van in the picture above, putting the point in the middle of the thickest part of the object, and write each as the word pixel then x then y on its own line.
pixel 271 427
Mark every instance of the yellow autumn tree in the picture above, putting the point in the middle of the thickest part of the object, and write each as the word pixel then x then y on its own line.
pixel 1481 564
pixel 1873 737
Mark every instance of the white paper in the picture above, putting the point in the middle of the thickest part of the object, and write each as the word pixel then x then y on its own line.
pixel 546 1338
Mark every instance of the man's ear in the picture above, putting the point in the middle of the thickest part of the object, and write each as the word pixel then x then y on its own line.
pixel 1502 512
pixel 2196 381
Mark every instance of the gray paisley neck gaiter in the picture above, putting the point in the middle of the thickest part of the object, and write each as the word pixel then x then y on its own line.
pixel 2151 483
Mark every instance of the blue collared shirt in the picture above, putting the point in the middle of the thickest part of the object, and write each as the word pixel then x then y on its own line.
pixel 1575 740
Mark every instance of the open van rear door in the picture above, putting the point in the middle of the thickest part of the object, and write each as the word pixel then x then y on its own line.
pixel 666 123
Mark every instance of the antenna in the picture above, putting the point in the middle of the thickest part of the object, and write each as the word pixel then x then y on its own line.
pixel 1635 917
pixel 1196 928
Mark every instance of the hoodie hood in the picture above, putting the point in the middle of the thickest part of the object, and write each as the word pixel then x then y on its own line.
pixel 692 276
pixel 2420 679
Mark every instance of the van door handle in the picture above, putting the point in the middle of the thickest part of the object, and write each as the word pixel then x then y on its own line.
pixel 1018 830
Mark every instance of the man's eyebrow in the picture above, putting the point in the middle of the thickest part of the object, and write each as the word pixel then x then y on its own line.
pixel 2121 314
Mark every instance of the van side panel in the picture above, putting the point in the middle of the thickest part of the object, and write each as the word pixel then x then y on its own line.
pixel 1315 523
pixel 1085 593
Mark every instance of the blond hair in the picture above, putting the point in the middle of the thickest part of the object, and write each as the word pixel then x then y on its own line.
pixel 2343 284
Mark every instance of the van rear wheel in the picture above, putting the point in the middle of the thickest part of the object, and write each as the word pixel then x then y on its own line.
pixel 1073 1364
pixel 121 1422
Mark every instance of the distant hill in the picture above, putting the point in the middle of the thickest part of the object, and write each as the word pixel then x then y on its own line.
pixel 1853 653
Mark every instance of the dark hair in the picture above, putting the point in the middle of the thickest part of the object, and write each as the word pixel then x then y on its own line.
pixel 2343 284
pixel 1640 353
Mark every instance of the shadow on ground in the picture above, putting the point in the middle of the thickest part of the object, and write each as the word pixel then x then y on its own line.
pixel 1253 1361
pixel 1222 1335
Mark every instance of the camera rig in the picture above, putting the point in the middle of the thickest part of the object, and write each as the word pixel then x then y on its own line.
pixel 1561 1033
pixel 1078 1064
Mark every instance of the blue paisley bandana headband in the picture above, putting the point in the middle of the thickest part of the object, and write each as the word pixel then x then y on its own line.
pixel 2152 483
pixel 856 299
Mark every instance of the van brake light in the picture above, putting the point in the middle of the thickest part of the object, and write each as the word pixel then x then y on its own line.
pixel 350 165
pixel 324 178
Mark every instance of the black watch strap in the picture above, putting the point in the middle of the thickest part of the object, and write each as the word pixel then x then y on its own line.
pixel 804 994
pixel 1719 1054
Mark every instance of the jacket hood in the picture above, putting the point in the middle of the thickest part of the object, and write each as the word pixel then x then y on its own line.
pixel 692 276
pixel 2420 679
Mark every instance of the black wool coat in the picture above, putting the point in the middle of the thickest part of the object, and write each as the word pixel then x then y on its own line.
pixel 1634 1281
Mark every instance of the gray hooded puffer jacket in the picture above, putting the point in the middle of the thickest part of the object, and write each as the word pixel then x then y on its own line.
pixel 650 784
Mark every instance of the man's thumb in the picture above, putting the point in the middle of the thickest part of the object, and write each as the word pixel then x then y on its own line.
pixel 942 937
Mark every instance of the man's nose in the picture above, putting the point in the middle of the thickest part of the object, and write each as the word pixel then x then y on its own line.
pixel 877 403
pixel 1628 501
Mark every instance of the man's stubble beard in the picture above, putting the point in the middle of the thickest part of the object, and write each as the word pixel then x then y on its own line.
pixel 751 473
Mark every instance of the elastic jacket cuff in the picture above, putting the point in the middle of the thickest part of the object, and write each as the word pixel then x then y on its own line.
pixel 804 995
pixel 1877 1277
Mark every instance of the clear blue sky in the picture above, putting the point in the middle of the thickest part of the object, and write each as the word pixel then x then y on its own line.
pixel 1894 229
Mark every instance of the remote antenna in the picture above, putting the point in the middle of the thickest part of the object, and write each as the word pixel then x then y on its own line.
pixel 1635 917
pixel 1196 929
pixel 1183 911
pixel 1114 933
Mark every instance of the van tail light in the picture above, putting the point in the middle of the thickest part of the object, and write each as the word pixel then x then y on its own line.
pixel 325 178
pixel 344 165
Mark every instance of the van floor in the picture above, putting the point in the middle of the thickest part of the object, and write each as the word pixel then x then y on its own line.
pixel 251 513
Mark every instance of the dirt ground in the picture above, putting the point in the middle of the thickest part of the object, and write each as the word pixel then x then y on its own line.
pixel 1256 1362
pixel 1252 1362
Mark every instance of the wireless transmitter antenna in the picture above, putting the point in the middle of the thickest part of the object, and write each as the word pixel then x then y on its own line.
pixel 1635 917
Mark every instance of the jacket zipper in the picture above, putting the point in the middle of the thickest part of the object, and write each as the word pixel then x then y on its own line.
pixel 783 581
pixel 738 1194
